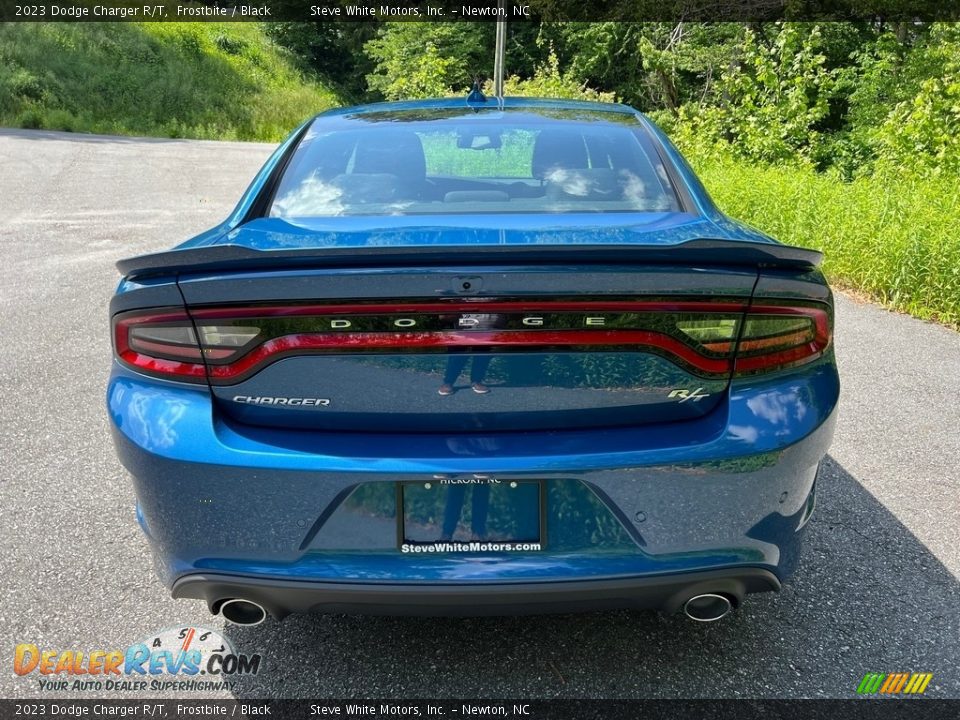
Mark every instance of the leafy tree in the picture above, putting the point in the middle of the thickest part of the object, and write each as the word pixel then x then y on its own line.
pixel 924 131
pixel 651 65
pixel 423 59
pixel 334 50
pixel 770 98
pixel 549 81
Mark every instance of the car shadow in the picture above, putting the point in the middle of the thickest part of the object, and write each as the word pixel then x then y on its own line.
pixel 868 597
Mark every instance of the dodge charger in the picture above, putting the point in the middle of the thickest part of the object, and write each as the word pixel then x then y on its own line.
pixel 474 358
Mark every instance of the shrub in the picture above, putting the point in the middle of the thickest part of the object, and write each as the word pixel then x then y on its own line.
pixel 891 235
pixel 548 81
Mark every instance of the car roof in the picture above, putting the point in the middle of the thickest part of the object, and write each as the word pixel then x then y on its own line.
pixel 530 105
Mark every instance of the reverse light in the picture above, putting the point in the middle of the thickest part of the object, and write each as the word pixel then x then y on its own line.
pixel 717 334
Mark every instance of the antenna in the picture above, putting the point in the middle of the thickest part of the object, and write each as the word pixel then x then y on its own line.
pixel 476 98
pixel 500 49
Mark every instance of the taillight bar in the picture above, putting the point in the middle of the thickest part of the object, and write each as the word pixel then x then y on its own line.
pixel 226 344
pixel 300 344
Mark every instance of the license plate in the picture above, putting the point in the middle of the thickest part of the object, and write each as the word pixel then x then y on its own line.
pixel 471 516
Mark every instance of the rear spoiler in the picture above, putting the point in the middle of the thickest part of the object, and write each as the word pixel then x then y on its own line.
pixel 692 252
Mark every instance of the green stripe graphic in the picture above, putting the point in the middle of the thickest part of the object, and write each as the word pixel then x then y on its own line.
pixel 871 683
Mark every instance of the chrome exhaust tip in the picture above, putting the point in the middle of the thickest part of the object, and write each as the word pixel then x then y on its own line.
pixel 708 607
pixel 243 612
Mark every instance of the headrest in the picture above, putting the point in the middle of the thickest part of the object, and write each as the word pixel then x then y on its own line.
pixel 558 148
pixel 392 152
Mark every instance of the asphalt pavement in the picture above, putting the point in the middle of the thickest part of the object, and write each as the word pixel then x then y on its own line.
pixel 877 590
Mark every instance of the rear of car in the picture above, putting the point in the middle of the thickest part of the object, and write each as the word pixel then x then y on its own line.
pixel 453 361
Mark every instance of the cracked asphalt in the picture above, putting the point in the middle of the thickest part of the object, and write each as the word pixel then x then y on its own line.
pixel 877 589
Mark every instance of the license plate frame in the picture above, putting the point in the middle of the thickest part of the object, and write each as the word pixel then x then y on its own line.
pixel 411 538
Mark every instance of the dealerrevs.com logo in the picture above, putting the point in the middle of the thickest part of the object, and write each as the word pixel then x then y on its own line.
pixel 182 659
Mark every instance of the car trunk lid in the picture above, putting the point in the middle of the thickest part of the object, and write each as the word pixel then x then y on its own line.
pixel 506 331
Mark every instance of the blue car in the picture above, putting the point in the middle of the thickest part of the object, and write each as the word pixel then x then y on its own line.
pixel 451 358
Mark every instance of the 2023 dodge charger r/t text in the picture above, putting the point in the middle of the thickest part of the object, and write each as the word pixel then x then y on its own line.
pixel 454 360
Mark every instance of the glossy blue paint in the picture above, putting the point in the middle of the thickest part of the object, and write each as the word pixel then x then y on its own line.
pixel 173 422
pixel 730 487
pixel 241 499
pixel 455 103
pixel 659 229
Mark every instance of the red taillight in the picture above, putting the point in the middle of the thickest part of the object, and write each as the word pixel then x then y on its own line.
pixel 776 337
pixel 227 344
pixel 160 342
pixel 164 343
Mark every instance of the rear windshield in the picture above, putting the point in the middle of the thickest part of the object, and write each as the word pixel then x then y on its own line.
pixel 471 164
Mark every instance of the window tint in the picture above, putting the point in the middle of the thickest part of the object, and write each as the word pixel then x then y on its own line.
pixel 473 166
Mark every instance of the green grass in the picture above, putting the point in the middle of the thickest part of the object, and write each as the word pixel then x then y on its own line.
pixel 895 238
pixel 196 80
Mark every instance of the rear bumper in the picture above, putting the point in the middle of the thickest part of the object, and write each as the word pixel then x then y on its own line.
pixel 250 512
pixel 666 593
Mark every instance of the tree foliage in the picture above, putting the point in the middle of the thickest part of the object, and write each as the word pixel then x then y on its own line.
pixel 923 129
pixel 769 100
pixel 549 81
pixel 335 51
pixel 427 59
pixel 850 97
